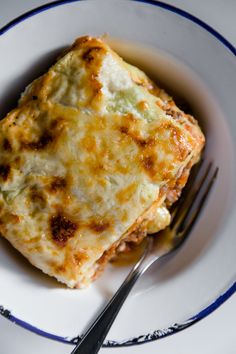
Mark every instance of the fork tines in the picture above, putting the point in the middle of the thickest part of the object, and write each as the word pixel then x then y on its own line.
pixel 190 204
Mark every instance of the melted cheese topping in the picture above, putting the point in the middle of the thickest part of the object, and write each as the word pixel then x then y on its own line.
pixel 89 150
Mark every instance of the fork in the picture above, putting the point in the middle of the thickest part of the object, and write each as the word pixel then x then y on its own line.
pixel 184 214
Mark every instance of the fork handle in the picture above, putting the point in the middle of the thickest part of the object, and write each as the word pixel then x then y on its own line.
pixel 92 341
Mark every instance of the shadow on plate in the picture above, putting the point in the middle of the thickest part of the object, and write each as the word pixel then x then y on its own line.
pixel 196 246
pixel 14 89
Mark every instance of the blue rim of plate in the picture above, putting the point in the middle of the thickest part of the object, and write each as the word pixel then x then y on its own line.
pixel 177 327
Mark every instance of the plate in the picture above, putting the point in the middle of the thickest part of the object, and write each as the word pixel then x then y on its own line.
pixel 195 62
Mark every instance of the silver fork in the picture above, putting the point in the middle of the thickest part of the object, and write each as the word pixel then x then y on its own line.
pixel 183 217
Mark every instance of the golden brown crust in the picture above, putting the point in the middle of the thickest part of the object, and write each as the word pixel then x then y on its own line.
pixel 91 151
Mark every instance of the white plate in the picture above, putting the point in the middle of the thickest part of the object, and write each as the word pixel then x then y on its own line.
pixel 197 63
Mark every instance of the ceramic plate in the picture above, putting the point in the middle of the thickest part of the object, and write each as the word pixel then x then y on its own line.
pixel 195 62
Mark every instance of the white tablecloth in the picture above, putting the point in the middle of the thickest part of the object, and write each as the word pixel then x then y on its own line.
pixel 216 334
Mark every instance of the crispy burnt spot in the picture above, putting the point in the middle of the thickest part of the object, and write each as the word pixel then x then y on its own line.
pixel 80 257
pixel 148 163
pixel 6 145
pixel 141 142
pixel 5 170
pixel 99 225
pixel 37 197
pixel 81 42
pixel 62 229
pixel 58 184
pixel 124 130
pixel 47 137
pixel 89 54
pixel 174 114
pixel 145 142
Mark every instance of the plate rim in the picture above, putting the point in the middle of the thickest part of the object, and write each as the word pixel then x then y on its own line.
pixel 157 3
pixel 141 339
pixel 177 327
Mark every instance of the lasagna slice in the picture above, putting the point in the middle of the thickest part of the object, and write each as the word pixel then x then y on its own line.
pixel 90 160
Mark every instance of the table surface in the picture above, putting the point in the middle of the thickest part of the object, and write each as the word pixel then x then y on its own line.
pixel 214 335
